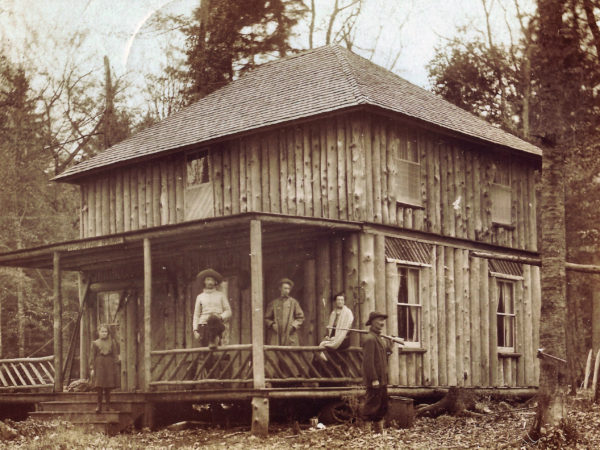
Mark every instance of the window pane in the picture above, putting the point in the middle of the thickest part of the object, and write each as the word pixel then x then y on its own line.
pixel 505 320
pixel 501 208
pixel 409 317
pixel 408 182
pixel 197 169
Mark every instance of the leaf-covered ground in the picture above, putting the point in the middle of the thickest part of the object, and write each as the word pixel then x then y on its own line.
pixel 501 429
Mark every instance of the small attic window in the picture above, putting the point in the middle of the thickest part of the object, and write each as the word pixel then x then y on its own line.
pixel 198 169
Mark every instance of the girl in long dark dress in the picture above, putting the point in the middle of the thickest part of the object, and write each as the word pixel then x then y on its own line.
pixel 103 365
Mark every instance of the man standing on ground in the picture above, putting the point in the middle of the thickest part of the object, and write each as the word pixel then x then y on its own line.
pixel 284 316
pixel 375 371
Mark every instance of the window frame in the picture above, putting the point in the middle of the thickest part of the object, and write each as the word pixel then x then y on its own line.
pixel 418 306
pixel 402 184
pixel 202 153
pixel 509 319
pixel 498 190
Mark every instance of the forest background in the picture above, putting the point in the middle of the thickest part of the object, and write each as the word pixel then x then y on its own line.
pixel 63 99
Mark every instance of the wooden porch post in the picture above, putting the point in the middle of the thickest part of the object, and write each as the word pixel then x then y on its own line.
pixel 57 300
pixel 147 316
pixel 84 328
pixel 260 405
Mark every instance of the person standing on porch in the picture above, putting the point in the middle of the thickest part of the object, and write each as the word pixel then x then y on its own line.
pixel 284 316
pixel 212 310
pixel 104 356
pixel 340 320
pixel 375 371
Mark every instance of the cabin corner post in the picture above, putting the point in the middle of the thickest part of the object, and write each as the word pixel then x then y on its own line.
pixel 147 310
pixel 57 316
pixel 260 405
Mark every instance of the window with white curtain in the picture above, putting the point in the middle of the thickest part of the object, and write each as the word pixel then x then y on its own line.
pixel 409 306
pixel 505 315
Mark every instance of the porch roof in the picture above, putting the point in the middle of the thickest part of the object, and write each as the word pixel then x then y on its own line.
pixel 169 240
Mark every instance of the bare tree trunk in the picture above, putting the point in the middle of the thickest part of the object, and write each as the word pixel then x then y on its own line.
pixel 591 20
pixel 109 102
pixel 553 247
pixel 596 309
pixel 311 28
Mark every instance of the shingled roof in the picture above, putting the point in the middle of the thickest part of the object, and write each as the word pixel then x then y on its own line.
pixel 312 82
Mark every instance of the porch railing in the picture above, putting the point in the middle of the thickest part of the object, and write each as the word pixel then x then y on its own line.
pixel 27 373
pixel 312 364
pixel 196 366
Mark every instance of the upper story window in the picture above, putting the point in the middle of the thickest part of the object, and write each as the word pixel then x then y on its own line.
pixel 197 168
pixel 199 202
pixel 408 177
pixel 501 196
pixel 409 306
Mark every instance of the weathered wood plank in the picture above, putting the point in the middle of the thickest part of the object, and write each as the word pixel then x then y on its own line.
pixel 179 189
pixel 391 308
pixel 536 304
pixel 119 202
pixel 450 316
pixel 234 151
pixel 342 175
pixel 216 159
pixel 310 328
pixel 141 200
pixel 519 380
pixel 298 156
pixel 163 193
pixel 149 196
pixel 425 300
pixel 367 152
pixel 459 312
pixel 306 149
pixel 493 345
pixel 379 264
pixel 265 173
pixel 226 151
pixel 484 318
pixel 323 267
pixel 475 328
pixel 315 139
pixel 172 190
pixel 383 164
pixel 291 172
pixel 442 313
pixel 253 184
pixel 91 213
pixel 366 274
pixel 392 171
pixel 105 202
pixel 273 164
pixel 432 324
pixel 351 284
pixel 419 213
pixel 376 171
pixel 242 176
pixel 528 349
pixel 332 178
pixel 112 203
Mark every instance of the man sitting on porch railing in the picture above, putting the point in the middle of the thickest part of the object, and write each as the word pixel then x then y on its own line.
pixel 284 316
pixel 211 302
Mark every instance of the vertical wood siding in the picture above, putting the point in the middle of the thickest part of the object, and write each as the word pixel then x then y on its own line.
pixel 342 167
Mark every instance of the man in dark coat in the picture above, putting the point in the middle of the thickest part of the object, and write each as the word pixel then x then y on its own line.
pixel 375 371
pixel 283 317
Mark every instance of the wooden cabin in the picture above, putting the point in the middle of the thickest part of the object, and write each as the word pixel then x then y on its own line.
pixel 332 171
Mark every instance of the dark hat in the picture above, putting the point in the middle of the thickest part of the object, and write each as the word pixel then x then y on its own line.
pixel 286 280
pixel 209 273
pixel 374 315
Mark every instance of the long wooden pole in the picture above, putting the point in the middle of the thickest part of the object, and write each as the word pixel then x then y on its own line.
pixel 58 350
pixel 147 310
pixel 260 405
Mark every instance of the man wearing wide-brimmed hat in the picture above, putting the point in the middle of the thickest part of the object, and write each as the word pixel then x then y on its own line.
pixel 212 307
pixel 284 316
pixel 375 371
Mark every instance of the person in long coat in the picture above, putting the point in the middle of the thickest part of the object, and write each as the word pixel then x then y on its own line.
pixel 284 316
pixel 104 356
pixel 375 371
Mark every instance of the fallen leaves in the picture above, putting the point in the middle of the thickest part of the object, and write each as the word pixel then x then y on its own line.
pixel 502 428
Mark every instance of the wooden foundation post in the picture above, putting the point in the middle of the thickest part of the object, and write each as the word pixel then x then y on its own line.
pixel 260 405
pixel 147 316
pixel 58 348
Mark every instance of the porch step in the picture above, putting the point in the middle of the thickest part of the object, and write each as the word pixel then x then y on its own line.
pixel 81 412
